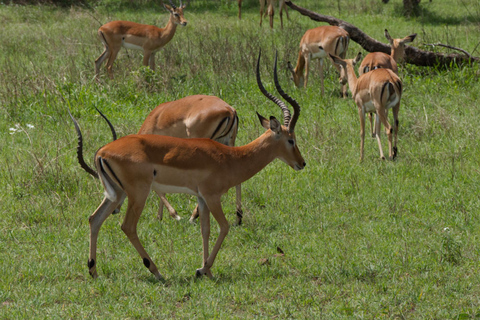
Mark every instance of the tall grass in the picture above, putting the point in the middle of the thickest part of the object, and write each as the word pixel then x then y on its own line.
pixel 367 239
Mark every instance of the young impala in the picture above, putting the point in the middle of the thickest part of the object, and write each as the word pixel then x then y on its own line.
pixel 318 43
pixel 375 60
pixel 117 34
pixel 197 116
pixel 133 165
pixel 374 92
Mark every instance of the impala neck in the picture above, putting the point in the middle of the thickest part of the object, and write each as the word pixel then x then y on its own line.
pixel 397 53
pixel 351 78
pixel 169 30
pixel 253 157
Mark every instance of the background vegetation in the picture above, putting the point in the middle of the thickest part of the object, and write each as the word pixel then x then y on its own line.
pixel 376 239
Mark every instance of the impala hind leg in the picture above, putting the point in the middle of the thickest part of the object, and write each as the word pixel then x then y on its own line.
pixel 214 205
pixel 136 204
pixel 100 60
pixel 103 56
pixel 111 59
pixel 96 220
pixel 382 116
pixel 171 210
pixel 395 129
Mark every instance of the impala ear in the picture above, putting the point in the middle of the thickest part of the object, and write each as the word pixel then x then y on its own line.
pixel 275 125
pixel 265 123
pixel 169 8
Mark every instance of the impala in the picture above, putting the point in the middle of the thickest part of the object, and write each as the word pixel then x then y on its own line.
pixel 318 43
pixel 376 92
pixel 198 116
pixel 117 34
pixel 271 12
pixel 375 60
pixel 133 165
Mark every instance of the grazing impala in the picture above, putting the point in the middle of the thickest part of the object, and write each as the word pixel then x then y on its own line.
pixel 133 165
pixel 374 92
pixel 318 43
pixel 375 60
pixel 117 34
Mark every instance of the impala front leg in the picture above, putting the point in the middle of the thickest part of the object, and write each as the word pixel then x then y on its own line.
pixel 151 61
pixel 215 206
pixel 204 213
pixel 361 114
pixel 146 59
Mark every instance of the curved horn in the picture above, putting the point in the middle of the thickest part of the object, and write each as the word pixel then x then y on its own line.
pixel 278 102
pixel 293 102
pixel 81 161
pixel 112 129
pixel 173 6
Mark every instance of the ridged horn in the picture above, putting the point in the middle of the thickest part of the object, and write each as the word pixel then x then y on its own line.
pixel 283 107
pixel 290 100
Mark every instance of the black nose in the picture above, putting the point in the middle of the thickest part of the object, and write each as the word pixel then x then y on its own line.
pixel 304 164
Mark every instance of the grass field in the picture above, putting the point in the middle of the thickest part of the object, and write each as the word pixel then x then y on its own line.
pixel 362 240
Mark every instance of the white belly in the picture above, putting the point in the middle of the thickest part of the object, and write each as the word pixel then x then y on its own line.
pixel 162 188
pixel 131 46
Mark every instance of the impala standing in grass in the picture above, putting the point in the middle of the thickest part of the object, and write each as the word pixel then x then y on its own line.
pixel 133 165
pixel 318 43
pixel 131 35
pixel 374 92
pixel 270 10
pixel 197 116
pixel 375 60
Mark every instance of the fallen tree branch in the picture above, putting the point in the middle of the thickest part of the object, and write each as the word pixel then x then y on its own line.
pixel 449 47
pixel 412 55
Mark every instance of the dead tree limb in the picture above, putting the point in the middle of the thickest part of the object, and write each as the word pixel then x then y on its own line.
pixel 413 55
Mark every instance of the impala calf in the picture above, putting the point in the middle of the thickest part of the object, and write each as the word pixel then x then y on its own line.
pixel 117 34
pixel 375 60
pixel 133 165
pixel 374 92
pixel 318 43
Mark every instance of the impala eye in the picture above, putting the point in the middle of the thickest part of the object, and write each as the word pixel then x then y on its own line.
pixel 292 142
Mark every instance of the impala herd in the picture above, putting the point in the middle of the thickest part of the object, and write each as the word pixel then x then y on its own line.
pixel 188 145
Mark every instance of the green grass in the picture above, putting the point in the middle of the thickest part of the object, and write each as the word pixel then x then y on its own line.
pixel 362 240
